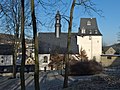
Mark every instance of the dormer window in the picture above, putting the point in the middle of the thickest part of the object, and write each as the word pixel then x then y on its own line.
pixel 90 31
pixel 96 32
pixel 88 23
pixel 83 30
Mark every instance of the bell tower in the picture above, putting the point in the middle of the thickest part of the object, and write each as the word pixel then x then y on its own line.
pixel 90 38
pixel 57 24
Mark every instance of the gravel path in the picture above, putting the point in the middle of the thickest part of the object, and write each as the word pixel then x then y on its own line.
pixel 108 80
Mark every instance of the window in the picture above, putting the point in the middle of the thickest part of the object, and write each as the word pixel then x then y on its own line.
pixel 90 37
pixel 2 57
pixel 109 57
pixel 45 59
pixel 96 32
pixel 2 61
pixel 111 51
pixel 90 31
pixel 88 23
pixel 83 30
pixel 58 21
pixel 49 49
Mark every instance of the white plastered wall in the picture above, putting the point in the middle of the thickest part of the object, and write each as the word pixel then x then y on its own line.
pixel 41 61
pixel 92 45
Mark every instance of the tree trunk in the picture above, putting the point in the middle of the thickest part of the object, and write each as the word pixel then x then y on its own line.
pixel 15 50
pixel 14 60
pixel 22 77
pixel 36 73
pixel 65 85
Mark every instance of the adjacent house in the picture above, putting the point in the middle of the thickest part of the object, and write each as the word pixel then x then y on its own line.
pixel 29 54
pixel 110 50
pixel 6 54
pixel 110 56
pixel 6 38
pixel 6 49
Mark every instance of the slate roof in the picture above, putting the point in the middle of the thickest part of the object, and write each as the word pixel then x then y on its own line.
pixel 93 27
pixel 105 48
pixel 6 49
pixel 6 38
pixel 48 43
pixel 116 47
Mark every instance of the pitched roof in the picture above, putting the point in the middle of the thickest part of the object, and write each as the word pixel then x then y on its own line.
pixel 116 47
pixel 6 49
pixel 48 43
pixel 6 38
pixel 90 27
pixel 105 48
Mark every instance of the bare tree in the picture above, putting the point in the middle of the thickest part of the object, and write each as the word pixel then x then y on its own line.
pixel 83 55
pixel 88 5
pixel 118 37
pixel 35 37
pixel 56 61
pixel 22 77
pixel 11 20
pixel 10 11
pixel 68 45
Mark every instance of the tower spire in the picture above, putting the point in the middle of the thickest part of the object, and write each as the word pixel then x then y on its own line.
pixel 57 24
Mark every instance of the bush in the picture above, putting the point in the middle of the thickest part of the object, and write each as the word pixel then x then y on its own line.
pixel 85 68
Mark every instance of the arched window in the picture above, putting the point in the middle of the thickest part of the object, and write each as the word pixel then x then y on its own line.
pixel 45 59
pixel 2 61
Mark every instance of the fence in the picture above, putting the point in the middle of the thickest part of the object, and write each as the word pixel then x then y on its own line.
pixel 9 68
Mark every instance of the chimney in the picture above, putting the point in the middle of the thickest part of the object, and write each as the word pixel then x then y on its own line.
pixel 57 25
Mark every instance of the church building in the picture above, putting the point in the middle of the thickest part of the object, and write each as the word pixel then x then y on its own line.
pixel 88 38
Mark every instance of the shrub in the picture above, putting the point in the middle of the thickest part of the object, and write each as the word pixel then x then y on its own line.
pixel 85 68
